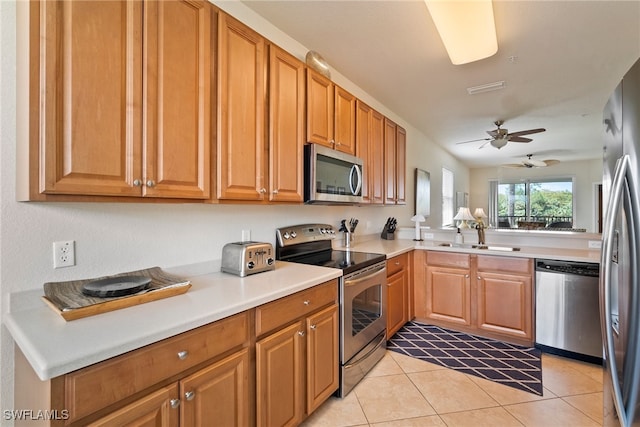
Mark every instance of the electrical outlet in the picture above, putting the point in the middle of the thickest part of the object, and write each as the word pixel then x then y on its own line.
pixel 595 244
pixel 64 254
pixel 428 236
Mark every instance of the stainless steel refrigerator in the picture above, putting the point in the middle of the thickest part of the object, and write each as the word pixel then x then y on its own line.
pixel 619 274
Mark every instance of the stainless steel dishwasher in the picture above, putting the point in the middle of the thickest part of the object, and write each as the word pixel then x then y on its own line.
pixel 567 309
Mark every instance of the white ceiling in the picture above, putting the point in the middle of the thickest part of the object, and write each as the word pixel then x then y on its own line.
pixel 560 61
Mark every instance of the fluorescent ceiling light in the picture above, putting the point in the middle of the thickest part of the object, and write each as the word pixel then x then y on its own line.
pixel 486 87
pixel 467 28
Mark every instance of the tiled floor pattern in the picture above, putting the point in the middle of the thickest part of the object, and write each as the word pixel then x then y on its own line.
pixel 403 392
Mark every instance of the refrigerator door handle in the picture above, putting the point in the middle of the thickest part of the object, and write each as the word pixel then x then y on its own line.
pixel 613 208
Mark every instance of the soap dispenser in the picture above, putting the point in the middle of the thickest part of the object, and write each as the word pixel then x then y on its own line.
pixel 459 239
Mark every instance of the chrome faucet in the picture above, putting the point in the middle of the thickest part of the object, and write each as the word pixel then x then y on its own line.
pixel 480 228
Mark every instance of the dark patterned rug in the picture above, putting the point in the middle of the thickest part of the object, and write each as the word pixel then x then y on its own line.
pixel 508 364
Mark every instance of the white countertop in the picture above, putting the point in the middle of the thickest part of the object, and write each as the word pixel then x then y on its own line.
pixel 54 346
pixel 395 247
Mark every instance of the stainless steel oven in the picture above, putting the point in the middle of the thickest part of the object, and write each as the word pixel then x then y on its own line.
pixel 363 323
pixel 361 290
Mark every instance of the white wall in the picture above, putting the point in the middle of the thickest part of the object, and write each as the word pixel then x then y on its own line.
pixel 113 238
pixel 585 174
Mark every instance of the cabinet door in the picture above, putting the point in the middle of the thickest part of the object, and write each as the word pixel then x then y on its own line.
pixel 241 112
pixel 322 356
pixel 376 158
pixel 217 393
pixel 153 410
pixel 177 101
pixel 401 166
pixel 286 126
pixel 505 304
pixel 390 136
pixel 90 131
pixel 319 109
pixel 279 377
pixel 396 302
pixel 344 121
pixel 448 295
pixel 363 150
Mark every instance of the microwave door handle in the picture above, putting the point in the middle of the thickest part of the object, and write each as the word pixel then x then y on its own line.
pixel 356 169
pixel 613 207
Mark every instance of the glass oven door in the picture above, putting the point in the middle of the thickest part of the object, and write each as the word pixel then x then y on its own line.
pixel 363 315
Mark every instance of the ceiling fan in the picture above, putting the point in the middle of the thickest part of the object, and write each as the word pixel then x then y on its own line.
pixel 499 137
pixel 531 163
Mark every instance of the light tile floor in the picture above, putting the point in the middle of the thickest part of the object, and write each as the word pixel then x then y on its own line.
pixel 402 391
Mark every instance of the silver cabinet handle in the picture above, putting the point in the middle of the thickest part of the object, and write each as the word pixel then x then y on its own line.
pixel 466 276
pixel 397 262
pixel 183 354
pixel 313 327
pixel 189 395
pixel 137 182
pixel 263 190
pixel 151 183
pixel 301 333
pixel 275 192
pixel 306 302
pixel 174 403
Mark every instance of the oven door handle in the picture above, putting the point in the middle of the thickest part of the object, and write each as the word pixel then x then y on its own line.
pixel 353 282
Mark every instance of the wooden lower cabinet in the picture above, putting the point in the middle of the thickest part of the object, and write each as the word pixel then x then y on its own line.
pixel 153 410
pixel 219 392
pixel 398 293
pixel 485 295
pixel 297 360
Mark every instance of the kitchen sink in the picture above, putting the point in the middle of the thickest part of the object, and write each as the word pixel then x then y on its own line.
pixel 483 247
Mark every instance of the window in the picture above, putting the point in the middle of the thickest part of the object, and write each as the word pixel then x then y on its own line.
pixel 536 203
pixel 447 197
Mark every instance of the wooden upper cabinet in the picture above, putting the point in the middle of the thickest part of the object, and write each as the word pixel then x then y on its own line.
pixel 286 126
pixel 87 92
pixel 331 113
pixel 344 121
pixel 395 143
pixel 241 144
pixel 123 102
pixel 319 109
pixel 177 99
pixel 370 148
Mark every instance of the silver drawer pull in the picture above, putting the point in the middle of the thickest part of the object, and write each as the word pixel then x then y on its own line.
pixel 312 327
pixel 306 302
pixel 189 395
pixel 183 354
pixel 174 403
pixel 301 333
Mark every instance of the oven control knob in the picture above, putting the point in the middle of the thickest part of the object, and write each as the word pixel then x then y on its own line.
pixel 293 234
pixel 286 235
pixel 250 265
pixel 270 261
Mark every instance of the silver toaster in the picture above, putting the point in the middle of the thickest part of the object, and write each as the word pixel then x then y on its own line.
pixel 245 258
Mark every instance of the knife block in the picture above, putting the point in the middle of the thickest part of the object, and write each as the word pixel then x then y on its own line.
pixel 388 235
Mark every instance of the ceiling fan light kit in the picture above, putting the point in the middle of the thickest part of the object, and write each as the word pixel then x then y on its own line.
pixel 467 29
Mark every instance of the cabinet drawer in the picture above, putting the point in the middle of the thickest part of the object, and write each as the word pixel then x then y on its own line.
pixel 397 263
pixel 95 387
pixel 504 264
pixel 280 312
pixel 448 259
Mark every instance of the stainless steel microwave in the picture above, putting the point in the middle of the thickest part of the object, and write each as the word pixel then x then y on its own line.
pixel 330 176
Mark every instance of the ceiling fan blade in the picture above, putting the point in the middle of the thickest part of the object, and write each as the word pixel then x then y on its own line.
pixel 531 163
pixel 473 140
pixel 513 165
pixel 493 133
pixel 551 162
pixel 527 132
pixel 519 139
pixel 483 145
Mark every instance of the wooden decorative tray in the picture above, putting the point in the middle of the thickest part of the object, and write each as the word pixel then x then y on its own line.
pixel 67 299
